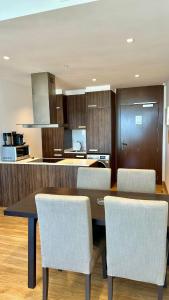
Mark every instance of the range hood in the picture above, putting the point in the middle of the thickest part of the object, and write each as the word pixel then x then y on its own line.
pixel 43 94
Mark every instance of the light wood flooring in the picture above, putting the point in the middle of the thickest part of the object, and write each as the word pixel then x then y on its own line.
pixel 63 285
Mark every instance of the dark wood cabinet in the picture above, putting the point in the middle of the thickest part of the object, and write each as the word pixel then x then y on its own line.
pixel 52 142
pixel 58 109
pixel 17 180
pixel 8 184
pixel 100 109
pixel 74 155
pixel 76 111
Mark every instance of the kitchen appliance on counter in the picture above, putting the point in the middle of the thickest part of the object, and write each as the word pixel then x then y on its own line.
pixel 13 139
pixel 14 153
pixel 17 139
pixel 102 159
pixel 7 138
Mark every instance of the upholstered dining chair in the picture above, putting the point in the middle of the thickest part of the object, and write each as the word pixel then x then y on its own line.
pixel 66 236
pixel 136 180
pixel 94 178
pixel 136 239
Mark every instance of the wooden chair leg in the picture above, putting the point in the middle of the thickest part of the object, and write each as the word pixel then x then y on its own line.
pixel 45 283
pixel 88 286
pixel 104 264
pixel 160 292
pixel 110 287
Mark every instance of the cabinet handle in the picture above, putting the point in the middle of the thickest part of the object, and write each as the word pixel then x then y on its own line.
pixel 93 150
pixel 59 150
pixel 92 105
pixel 79 156
pixel 81 127
pixel 58 107
pixel 57 155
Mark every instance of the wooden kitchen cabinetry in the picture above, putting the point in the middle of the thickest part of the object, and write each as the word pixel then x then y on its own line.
pixel 76 111
pixel 100 122
pixel 17 180
pixel 8 184
pixel 74 155
pixel 52 142
pixel 58 109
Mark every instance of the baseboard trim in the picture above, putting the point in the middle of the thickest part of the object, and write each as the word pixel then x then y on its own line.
pixel 165 187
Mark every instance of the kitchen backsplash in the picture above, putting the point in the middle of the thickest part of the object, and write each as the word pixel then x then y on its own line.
pixel 79 135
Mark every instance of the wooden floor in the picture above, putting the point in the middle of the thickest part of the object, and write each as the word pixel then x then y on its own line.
pixel 63 285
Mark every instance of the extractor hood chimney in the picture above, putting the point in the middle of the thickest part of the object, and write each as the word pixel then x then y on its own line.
pixel 43 92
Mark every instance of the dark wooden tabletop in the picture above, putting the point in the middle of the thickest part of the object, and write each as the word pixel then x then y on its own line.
pixel 27 208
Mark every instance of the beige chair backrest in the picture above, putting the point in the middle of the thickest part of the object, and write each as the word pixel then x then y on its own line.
pixel 94 178
pixel 65 232
pixel 136 232
pixel 136 180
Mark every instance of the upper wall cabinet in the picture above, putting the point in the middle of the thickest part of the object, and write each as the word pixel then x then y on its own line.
pixel 58 110
pixel 100 110
pixel 76 111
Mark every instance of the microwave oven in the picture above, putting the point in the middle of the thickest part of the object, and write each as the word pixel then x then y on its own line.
pixel 15 153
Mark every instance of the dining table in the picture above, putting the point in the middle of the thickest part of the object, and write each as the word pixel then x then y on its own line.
pixel 26 208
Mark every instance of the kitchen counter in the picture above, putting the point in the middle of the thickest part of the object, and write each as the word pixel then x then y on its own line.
pixel 65 162
pixel 19 162
pixel 19 179
pixel 76 162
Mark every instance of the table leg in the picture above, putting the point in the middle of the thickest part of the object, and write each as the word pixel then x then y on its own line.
pixel 32 252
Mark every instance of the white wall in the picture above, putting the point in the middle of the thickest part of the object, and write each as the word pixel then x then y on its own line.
pixel 16 107
pixel 167 142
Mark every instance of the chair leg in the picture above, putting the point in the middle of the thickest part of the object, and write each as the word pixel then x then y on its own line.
pixel 104 264
pixel 165 282
pixel 110 287
pixel 160 292
pixel 45 283
pixel 88 286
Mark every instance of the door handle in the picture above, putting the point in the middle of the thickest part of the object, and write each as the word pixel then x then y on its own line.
pixel 124 145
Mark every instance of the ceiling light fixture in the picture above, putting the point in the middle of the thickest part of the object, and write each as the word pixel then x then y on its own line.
pixel 6 57
pixel 94 79
pixel 137 76
pixel 130 40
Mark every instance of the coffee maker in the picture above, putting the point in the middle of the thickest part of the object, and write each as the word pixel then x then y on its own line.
pixel 17 139
pixel 13 139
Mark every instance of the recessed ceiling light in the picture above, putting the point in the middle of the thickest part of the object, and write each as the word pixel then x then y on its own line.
pixel 6 57
pixel 130 40
pixel 137 76
pixel 94 79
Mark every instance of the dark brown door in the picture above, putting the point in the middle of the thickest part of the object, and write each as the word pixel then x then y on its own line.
pixel 139 137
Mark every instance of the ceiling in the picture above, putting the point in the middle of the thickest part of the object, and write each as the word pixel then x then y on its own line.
pixel 88 41
pixel 16 8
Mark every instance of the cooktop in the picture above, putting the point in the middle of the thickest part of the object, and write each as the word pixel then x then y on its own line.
pixel 46 160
